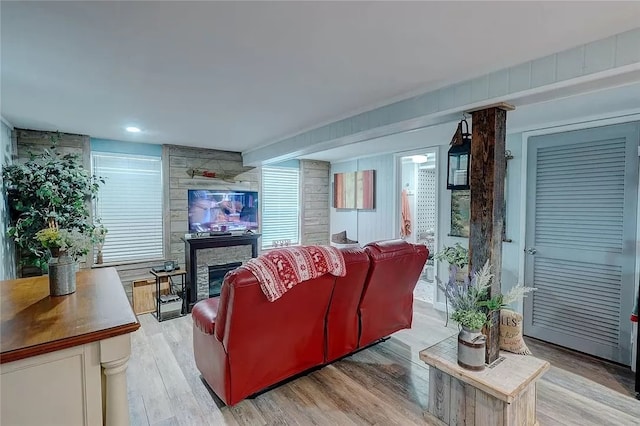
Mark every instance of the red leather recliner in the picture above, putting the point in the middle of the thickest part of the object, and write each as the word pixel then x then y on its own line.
pixel 243 343
pixel 343 321
pixel 257 343
pixel 387 300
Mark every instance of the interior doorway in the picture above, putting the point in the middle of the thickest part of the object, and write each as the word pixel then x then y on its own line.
pixel 418 189
pixel 580 239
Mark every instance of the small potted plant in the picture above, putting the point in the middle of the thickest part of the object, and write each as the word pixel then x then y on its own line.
pixel 502 301
pixel 457 257
pixel 66 247
pixel 464 298
pixel 98 237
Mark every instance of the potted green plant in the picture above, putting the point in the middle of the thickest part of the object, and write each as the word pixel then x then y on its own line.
pixel 66 247
pixel 502 301
pixel 97 238
pixel 464 298
pixel 64 242
pixel 457 257
pixel 50 186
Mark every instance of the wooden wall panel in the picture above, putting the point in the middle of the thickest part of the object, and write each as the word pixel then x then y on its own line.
pixel 177 161
pixel 314 202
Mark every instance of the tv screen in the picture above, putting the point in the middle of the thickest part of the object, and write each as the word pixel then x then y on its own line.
pixel 222 210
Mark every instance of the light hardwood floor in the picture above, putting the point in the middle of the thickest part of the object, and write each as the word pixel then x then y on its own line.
pixel 384 385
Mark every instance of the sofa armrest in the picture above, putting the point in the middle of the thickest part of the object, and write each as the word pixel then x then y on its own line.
pixel 204 314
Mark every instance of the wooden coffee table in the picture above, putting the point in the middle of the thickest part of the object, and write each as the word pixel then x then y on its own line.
pixel 503 394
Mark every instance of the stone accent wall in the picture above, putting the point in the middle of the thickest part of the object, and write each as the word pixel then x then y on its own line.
pixel 314 202
pixel 176 161
pixel 214 257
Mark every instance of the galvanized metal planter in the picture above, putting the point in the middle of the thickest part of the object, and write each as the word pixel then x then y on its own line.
pixel 62 275
pixel 471 349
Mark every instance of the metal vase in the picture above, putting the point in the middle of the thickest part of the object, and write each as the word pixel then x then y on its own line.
pixel 62 275
pixel 471 348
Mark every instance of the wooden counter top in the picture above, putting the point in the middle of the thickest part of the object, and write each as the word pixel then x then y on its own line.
pixel 33 323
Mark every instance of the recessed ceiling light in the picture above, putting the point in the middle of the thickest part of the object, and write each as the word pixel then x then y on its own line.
pixel 133 129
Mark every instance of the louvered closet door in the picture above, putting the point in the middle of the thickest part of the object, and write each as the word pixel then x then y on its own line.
pixel 582 191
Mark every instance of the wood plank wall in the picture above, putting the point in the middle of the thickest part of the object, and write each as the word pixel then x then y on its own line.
pixel 314 202
pixel 8 270
pixel 36 141
pixel 176 161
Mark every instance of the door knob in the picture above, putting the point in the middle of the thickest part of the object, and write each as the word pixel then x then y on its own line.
pixel 531 251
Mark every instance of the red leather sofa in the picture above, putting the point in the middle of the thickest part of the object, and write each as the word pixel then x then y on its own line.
pixel 243 343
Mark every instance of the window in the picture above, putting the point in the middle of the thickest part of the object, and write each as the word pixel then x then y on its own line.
pixel 280 205
pixel 129 205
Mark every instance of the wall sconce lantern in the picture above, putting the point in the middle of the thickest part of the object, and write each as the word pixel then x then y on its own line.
pixel 459 159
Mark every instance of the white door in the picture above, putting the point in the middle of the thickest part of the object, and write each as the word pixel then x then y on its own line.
pixel 582 191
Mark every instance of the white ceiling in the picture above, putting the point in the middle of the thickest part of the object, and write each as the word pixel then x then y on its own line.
pixel 239 75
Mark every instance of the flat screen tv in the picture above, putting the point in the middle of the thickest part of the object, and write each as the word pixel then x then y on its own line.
pixel 213 210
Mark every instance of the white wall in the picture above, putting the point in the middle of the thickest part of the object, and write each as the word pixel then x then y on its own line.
pixel 375 225
pixel 347 219
pixel 7 255
pixel 366 226
pixel 511 250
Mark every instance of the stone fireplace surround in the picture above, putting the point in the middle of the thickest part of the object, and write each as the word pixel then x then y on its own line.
pixel 216 277
pixel 217 256
pixel 203 253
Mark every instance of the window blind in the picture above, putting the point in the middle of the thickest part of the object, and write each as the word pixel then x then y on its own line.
pixel 129 205
pixel 280 205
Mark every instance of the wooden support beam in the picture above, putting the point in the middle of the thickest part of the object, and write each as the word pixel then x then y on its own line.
pixel 500 105
pixel 487 176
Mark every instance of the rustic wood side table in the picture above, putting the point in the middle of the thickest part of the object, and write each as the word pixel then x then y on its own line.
pixel 503 394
